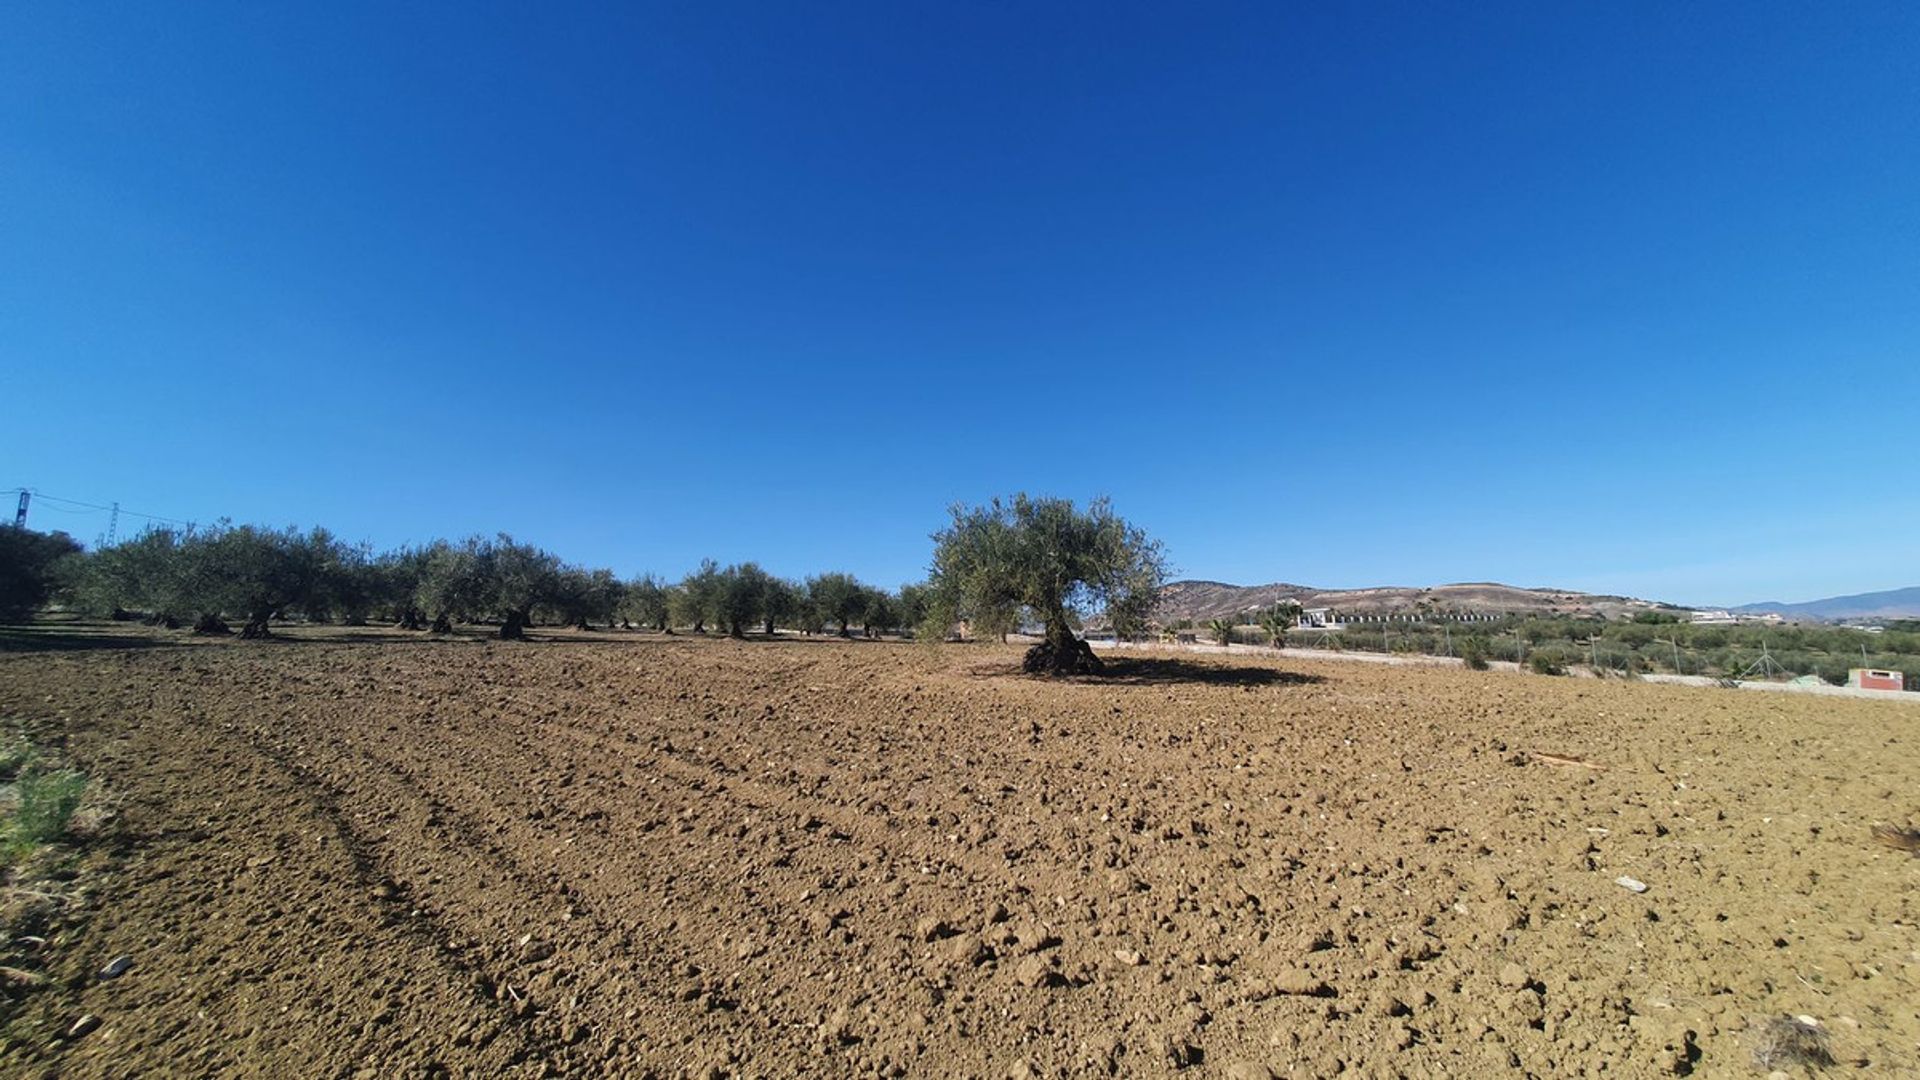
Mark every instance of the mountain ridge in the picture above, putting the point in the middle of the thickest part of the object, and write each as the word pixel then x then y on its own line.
pixel 1200 599
pixel 1884 604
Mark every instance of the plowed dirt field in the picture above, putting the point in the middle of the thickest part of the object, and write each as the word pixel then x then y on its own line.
pixel 662 856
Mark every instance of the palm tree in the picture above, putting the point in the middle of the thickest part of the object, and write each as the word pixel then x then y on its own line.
pixel 1279 619
pixel 1222 630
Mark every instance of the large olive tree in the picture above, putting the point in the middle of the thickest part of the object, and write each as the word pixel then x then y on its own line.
pixel 645 601
pixel 258 572
pixel 518 576
pixel 782 604
pixel 1050 559
pixel 838 598
pixel 451 584
pixel 741 597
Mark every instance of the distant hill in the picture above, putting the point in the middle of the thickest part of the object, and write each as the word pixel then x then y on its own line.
pixel 1889 604
pixel 1203 600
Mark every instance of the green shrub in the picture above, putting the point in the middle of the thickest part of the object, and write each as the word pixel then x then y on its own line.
pixel 16 755
pixel 47 805
pixel 1473 652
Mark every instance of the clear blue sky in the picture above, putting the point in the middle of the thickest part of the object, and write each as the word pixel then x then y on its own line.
pixel 1619 297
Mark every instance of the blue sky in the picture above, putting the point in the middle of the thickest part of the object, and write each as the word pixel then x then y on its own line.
pixel 1618 297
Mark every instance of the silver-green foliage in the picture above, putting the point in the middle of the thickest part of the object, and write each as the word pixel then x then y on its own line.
pixel 1046 557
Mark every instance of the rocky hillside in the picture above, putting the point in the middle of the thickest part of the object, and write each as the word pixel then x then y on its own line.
pixel 1203 600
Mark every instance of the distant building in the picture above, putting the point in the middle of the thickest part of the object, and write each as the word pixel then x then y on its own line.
pixel 1714 618
pixel 1874 679
pixel 1319 617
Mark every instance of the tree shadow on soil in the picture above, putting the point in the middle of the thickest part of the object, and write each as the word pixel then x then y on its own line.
pixel 1156 671
pixel 32 639
pixel 1162 671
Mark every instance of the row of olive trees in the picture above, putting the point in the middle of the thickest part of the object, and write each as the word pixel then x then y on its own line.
pixel 744 596
pixel 995 568
pixel 258 574
pixel 243 571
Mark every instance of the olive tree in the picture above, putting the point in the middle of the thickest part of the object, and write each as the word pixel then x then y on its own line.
pixel 698 598
pixel 1049 558
pixel 740 597
pixel 30 566
pixel 146 574
pixel 351 584
pixel 582 597
pixel 518 576
pixel 452 583
pixel 396 583
pixel 882 613
pixel 782 604
pixel 838 598
pixel 644 601
pixel 914 603
pixel 258 572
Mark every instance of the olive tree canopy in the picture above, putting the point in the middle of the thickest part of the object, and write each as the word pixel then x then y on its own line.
pixel 29 563
pixel 259 572
pixel 838 598
pixel 1051 559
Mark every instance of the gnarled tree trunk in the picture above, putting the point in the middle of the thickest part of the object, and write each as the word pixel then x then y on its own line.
pixel 515 628
pixel 1061 653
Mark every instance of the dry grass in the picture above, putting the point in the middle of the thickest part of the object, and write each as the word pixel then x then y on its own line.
pixel 1898 837
pixel 1783 1042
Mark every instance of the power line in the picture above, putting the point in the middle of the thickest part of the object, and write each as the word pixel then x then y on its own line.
pixel 115 509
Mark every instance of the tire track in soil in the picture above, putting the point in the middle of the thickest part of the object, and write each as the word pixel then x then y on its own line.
pixel 1372 834
pixel 242 909
pixel 720 925
pixel 578 978
pixel 536 1042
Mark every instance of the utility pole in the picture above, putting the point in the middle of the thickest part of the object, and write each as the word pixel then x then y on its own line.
pixel 1676 652
pixel 20 515
pixel 113 524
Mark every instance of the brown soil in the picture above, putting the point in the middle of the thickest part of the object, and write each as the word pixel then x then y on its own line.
pixel 414 857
